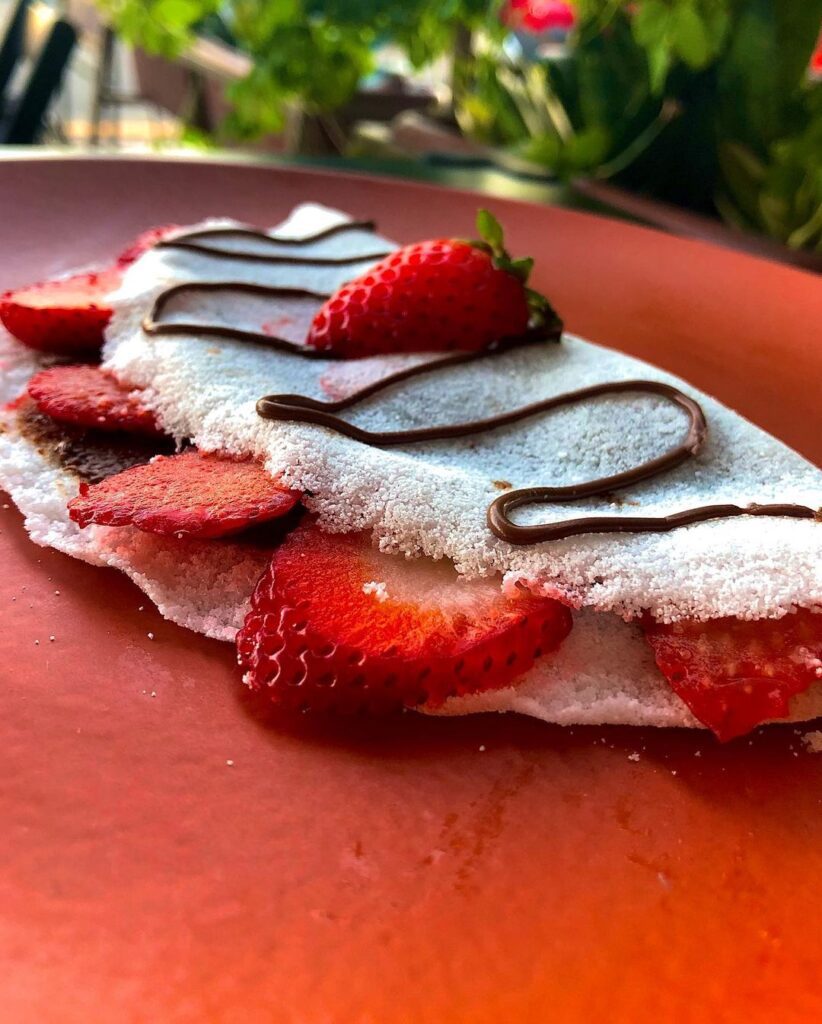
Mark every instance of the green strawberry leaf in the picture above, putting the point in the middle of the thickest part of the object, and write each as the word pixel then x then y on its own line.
pixel 490 230
pixel 543 315
pixel 522 268
pixel 544 318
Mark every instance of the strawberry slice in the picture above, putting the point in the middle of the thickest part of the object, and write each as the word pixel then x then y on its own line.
pixel 143 242
pixel 337 625
pixel 734 674
pixel 65 316
pixel 85 396
pixel 195 494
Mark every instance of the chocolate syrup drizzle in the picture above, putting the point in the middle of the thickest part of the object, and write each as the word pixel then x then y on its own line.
pixel 303 409
pixel 193 242
pixel 153 323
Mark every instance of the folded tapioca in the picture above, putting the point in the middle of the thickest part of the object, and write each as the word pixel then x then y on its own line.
pixel 591 539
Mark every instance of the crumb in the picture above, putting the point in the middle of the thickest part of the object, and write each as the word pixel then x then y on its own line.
pixel 153 693
pixel 230 763
pixel 502 485
pixel 482 748
pixel 56 593
pixel 140 607
pixel 150 636
pixel 673 771
pixel 36 643
pixel 697 753
pixel 6 505
pixel 633 757
pixel 379 590
pixel 52 639
pixel 813 741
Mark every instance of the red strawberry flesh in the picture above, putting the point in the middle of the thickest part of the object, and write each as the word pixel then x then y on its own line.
pixel 433 296
pixel 193 494
pixel 734 675
pixel 337 625
pixel 67 315
pixel 85 396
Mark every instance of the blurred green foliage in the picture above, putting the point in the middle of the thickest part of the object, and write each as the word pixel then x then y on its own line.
pixel 705 103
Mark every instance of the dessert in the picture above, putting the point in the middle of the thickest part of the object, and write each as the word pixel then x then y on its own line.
pixel 587 538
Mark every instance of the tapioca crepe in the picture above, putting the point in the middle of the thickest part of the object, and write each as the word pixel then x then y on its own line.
pixel 431 498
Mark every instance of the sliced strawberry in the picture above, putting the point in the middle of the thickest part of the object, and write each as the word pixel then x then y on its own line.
pixel 66 316
pixel 733 674
pixel 87 397
pixel 197 494
pixel 335 624
pixel 143 242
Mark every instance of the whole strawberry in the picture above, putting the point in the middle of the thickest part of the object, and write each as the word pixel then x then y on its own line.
pixel 435 296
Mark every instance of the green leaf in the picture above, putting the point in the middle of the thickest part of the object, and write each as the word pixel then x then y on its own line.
pixel 762 77
pixel 717 20
pixel 522 268
pixel 544 150
pixel 587 149
pixel 490 229
pixel 177 14
pixel 659 63
pixel 690 36
pixel 651 23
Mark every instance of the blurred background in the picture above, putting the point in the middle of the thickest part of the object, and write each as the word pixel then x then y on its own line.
pixel 702 116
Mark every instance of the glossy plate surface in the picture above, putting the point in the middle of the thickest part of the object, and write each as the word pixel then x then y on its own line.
pixel 171 853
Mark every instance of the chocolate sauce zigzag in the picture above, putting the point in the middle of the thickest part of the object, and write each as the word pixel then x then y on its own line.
pixel 192 241
pixel 153 324
pixel 302 409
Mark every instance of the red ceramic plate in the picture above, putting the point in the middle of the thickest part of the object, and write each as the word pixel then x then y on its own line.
pixel 171 853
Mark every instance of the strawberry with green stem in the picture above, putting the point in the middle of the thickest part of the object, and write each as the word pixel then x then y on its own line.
pixel 440 295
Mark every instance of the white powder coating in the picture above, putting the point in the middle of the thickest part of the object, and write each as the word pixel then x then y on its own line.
pixel 17 364
pixel 432 498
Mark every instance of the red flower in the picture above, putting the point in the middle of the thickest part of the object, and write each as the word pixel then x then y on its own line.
pixel 816 58
pixel 539 15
